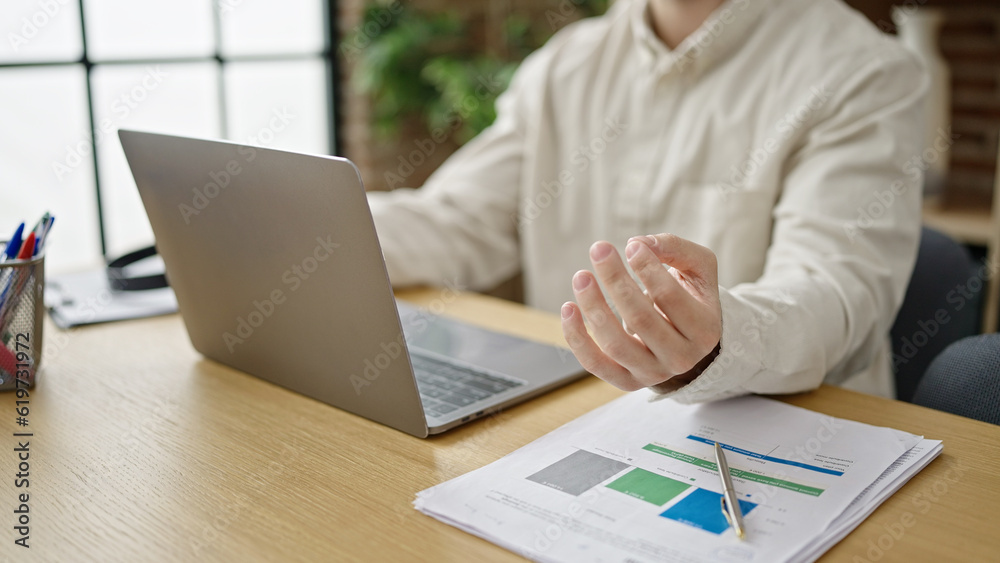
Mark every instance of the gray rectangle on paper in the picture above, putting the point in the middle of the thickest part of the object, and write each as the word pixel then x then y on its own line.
pixel 578 472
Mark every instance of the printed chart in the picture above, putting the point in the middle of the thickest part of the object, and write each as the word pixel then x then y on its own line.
pixel 688 504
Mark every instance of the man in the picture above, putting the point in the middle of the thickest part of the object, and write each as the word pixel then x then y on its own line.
pixel 768 136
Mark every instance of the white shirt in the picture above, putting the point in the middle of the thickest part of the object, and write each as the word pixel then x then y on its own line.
pixel 777 135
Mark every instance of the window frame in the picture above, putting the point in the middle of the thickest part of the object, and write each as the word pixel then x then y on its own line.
pixel 328 55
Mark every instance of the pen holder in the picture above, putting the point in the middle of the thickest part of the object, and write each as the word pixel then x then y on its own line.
pixel 22 308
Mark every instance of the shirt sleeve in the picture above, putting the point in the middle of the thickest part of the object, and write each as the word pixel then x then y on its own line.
pixel 844 241
pixel 460 228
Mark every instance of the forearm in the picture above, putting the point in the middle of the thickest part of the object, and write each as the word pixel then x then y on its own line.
pixel 427 239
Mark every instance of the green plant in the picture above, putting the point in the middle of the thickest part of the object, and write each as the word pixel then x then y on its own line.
pixel 420 64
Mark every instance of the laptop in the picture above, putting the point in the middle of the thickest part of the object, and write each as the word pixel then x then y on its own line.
pixel 278 272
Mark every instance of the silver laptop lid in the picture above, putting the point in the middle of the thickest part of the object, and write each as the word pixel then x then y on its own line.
pixel 243 232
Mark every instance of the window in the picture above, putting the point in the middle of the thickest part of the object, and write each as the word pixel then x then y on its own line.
pixel 72 72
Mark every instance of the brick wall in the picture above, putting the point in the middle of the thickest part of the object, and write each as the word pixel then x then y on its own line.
pixel 970 43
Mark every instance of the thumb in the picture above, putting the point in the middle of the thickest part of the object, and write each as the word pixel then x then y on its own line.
pixel 692 260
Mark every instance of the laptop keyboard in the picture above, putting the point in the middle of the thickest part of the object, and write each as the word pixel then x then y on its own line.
pixel 445 386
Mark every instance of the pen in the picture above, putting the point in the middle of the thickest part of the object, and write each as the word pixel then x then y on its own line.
pixel 14 244
pixel 22 248
pixel 733 513
pixel 40 225
pixel 28 248
pixel 12 283
pixel 39 230
pixel 45 234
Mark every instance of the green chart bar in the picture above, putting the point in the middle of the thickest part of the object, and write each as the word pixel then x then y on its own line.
pixel 739 473
pixel 650 487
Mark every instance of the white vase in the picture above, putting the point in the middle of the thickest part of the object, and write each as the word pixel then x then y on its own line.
pixel 918 30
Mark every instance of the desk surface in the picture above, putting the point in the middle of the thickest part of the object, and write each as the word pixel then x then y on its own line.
pixel 144 450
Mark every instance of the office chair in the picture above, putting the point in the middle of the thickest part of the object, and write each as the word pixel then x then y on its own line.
pixel 965 379
pixel 918 335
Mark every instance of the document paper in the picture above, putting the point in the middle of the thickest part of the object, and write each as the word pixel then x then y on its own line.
pixel 636 481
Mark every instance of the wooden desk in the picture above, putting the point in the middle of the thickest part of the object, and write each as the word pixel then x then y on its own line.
pixel 143 450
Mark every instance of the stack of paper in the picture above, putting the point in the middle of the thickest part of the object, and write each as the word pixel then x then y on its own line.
pixel 636 480
pixel 84 298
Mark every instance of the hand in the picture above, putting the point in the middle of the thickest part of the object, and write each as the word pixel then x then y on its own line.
pixel 677 323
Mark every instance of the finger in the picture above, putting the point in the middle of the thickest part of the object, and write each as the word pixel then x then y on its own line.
pixel 590 355
pixel 655 306
pixel 635 307
pixel 609 335
pixel 695 262
pixel 684 311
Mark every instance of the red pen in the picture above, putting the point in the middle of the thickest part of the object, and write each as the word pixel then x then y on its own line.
pixel 8 361
pixel 28 248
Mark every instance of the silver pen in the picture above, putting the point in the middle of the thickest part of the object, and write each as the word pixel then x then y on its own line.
pixel 733 514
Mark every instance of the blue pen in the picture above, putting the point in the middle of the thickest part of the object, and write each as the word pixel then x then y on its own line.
pixel 15 244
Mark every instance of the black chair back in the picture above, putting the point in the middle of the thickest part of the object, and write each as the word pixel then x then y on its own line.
pixel 942 305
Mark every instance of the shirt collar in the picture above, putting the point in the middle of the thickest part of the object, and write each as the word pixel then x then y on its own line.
pixel 726 27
